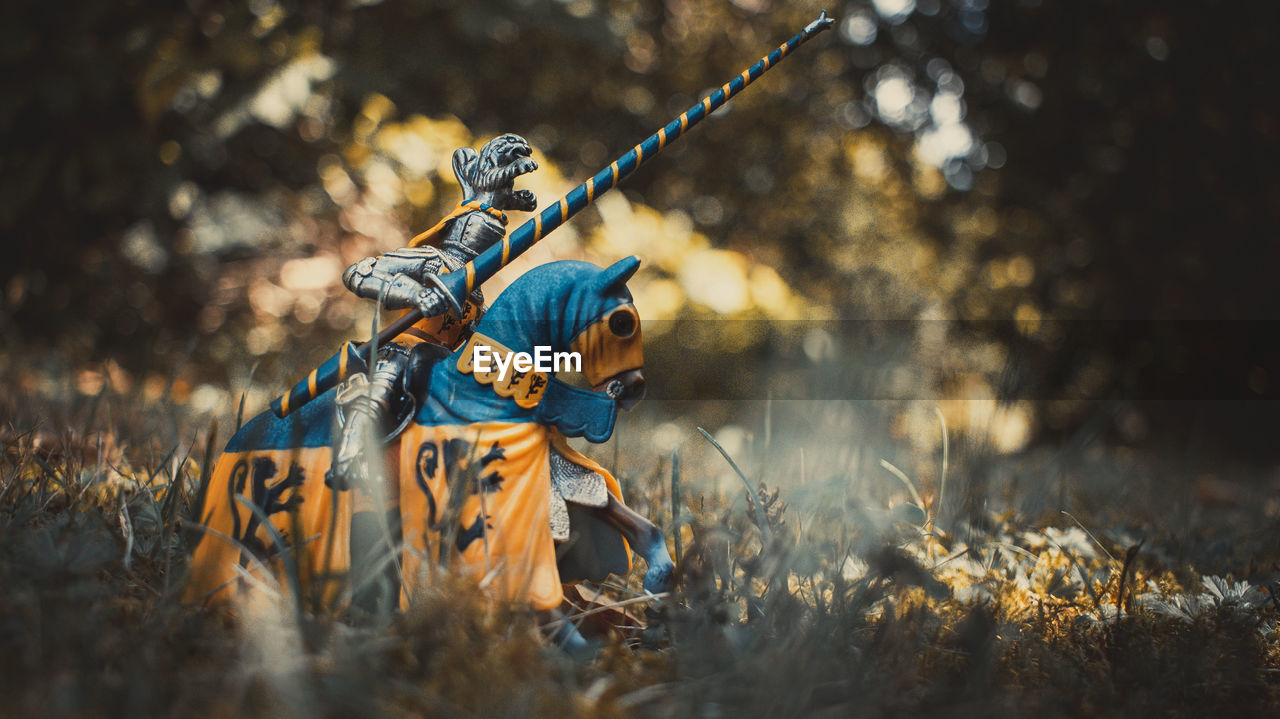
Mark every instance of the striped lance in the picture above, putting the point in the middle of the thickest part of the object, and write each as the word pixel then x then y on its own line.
pixel 461 282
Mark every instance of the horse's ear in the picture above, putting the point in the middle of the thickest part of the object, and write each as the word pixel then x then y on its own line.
pixel 617 274
pixel 464 164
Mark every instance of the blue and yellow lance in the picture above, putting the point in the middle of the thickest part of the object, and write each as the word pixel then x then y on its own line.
pixel 459 283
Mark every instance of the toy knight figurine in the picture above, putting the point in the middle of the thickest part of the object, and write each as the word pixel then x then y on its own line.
pixel 408 278
pixel 484 473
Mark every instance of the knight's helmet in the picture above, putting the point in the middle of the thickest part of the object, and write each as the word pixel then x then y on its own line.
pixel 487 176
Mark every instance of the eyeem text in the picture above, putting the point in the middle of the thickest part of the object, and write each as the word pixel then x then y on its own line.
pixel 484 359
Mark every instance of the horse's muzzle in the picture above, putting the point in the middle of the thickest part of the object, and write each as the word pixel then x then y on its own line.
pixel 625 388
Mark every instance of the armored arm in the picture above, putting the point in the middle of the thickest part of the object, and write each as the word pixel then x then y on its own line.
pixel 405 278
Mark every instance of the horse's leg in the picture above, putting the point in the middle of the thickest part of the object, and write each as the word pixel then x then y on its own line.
pixel 646 539
pixel 375 540
pixel 565 635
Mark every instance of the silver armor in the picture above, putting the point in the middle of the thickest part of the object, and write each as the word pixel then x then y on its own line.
pixel 571 482
pixel 406 278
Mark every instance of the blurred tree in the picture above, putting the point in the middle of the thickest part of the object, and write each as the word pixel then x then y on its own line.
pixel 1022 176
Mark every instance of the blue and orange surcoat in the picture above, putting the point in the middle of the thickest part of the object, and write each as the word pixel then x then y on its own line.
pixel 471 477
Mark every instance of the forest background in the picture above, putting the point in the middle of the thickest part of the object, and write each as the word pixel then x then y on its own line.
pixel 1067 207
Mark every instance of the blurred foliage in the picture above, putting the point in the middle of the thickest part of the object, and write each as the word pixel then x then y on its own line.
pixel 1052 198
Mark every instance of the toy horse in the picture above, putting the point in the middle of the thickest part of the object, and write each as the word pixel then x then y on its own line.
pixel 483 479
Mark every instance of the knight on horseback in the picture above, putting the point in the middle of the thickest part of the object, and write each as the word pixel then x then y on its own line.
pixel 376 407
pixel 481 475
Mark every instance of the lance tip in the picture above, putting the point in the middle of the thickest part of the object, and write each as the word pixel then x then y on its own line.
pixel 822 23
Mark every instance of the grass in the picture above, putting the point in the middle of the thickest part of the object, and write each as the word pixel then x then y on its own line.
pixel 831 588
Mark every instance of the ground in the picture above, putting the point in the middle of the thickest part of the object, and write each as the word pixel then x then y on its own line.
pixel 821 592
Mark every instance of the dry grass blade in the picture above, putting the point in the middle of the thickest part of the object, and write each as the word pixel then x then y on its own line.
pixel 644 695
pixel 1084 578
pixel 606 607
pixel 756 510
pixel 244 553
pixel 372 566
pixel 676 506
pixel 620 588
pixel 126 528
pixel 1086 531
pixel 906 482
pixel 258 582
pixel 946 458
pixel 196 508
pixel 283 551
pixel 1129 556
pixel 243 396
pixel 1013 548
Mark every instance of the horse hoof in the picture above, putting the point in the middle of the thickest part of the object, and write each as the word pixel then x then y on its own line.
pixel 659 578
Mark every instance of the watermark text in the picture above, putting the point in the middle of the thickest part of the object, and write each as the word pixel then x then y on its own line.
pixel 484 359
